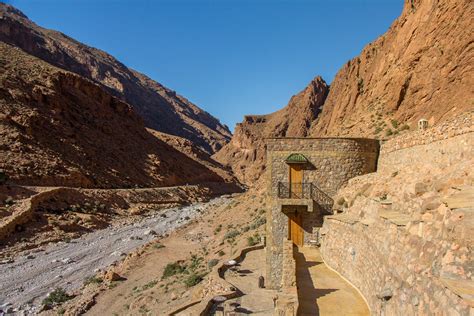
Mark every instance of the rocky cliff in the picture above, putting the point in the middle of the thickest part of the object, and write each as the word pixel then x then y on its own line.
pixel 60 129
pixel 161 108
pixel 245 153
pixel 421 68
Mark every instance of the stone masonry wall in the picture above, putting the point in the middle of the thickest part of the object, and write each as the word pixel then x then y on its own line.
pixel 332 162
pixel 405 236
pixel 392 268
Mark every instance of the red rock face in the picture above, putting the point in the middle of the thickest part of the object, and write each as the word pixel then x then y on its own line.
pixel 246 151
pixel 59 129
pixel 421 68
pixel 161 108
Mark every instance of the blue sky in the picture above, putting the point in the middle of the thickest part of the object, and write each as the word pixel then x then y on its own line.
pixel 230 57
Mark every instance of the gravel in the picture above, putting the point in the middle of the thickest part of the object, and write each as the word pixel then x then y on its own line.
pixel 26 281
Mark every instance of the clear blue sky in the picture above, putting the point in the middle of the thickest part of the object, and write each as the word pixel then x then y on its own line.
pixel 230 57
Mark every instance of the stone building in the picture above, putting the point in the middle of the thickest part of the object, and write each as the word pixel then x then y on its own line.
pixel 303 174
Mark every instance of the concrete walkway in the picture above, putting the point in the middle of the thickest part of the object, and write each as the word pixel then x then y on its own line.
pixel 254 300
pixel 321 291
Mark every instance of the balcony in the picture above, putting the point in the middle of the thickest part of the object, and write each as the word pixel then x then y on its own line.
pixel 308 191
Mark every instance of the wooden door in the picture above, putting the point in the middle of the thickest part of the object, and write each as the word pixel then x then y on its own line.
pixel 295 232
pixel 296 181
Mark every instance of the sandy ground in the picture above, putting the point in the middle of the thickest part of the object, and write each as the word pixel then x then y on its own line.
pixel 27 280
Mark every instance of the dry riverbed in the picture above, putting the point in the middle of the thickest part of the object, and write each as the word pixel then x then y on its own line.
pixel 27 280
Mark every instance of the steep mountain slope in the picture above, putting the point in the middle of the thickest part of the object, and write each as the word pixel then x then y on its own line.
pixel 245 153
pixel 161 108
pixel 59 129
pixel 421 68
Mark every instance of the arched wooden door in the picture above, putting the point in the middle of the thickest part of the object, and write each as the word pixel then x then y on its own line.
pixel 295 231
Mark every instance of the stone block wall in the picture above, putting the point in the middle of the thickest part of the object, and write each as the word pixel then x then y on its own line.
pixel 332 162
pixel 410 252
pixel 393 269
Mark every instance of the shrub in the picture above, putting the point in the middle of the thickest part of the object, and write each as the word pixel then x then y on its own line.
pixel 192 280
pixel 9 200
pixel 253 240
pixel 93 280
pixel 377 130
pixel 394 123
pixel 172 269
pixel 218 229
pixel 258 222
pixel 404 127
pixel 158 246
pixel 360 85
pixel 195 261
pixel 341 201
pixel 221 253
pixel 212 263
pixel 388 132
pixel 231 234
pixel 149 285
pixel 58 296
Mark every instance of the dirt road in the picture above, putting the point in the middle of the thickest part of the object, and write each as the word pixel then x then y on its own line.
pixel 27 280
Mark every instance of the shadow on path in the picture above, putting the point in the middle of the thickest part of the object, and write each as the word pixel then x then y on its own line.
pixel 307 291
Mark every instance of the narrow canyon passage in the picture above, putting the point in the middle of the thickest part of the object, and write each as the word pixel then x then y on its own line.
pixel 321 291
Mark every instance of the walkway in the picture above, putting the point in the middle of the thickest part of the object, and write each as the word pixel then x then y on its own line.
pixel 254 299
pixel 321 291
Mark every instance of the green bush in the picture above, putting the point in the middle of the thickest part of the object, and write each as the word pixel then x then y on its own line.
pixel 221 253
pixel 58 296
pixel 258 222
pixel 192 280
pixel 341 201
pixel 388 132
pixel 93 280
pixel 394 123
pixel 253 240
pixel 231 234
pixel 195 261
pixel 404 127
pixel 158 246
pixel 172 269
pixel 149 285
pixel 218 229
pixel 212 263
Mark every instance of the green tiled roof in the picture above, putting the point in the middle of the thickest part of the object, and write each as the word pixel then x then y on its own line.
pixel 296 158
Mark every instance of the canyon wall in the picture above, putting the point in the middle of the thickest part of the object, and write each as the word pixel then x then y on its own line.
pixel 420 68
pixel 405 235
pixel 245 153
pixel 60 129
pixel 161 108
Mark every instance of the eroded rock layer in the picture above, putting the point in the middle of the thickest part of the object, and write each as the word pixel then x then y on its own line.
pixel 59 129
pixel 161 108
pixel 421 68
pixel 245 153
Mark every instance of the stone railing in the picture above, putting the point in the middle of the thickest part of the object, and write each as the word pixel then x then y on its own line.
pixel 287 299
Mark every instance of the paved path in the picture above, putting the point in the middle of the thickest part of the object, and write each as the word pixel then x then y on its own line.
pixel 27 280
pixel 321 291
pixel 254 300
